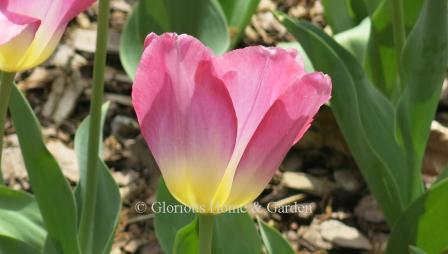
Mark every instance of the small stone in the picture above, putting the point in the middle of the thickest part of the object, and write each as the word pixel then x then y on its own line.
pixel 369 210
pixel 344 236
pixel 348 180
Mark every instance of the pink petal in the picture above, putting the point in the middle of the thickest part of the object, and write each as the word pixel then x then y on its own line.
pixel 62 10
pixel 186 115
pixel 255 78
pixel 14 26
pixel 286 122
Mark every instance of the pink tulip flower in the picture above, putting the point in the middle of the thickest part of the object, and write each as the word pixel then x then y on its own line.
pixel 31 30
pixel 220 126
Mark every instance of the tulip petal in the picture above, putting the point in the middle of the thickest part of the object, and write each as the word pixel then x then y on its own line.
pixel 286 122
pixel 186 115
pixel 12 28
pixel 256 77
pixel 54 10
pixel 18 33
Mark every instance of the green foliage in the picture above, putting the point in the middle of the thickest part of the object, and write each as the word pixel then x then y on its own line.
pixel 424 61
pixel 355 39
pixel 386 123
pixel 11 245
pixel 273 240
pixel 342 15
pixel 235 228
pixel 366 117
pixel 387 139
pixel 424 224
pixel 203 19
pixel 20 218
pixel 108 201
pixel 381 63
pixel 52 192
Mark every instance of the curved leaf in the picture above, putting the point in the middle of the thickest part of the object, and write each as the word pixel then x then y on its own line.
pixel 52 191
pixel 187 240
pixel 366 118
pixel 20 218
pixel 273 240
pixel 424 224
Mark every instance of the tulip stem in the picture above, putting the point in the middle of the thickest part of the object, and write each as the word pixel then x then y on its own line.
pixel 206 222
pixel 5 92
pixel 89 193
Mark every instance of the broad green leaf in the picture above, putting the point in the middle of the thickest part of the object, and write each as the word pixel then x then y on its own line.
pixel 108 201
pixel 238 14
pixel 355 39
pixel 339 15
pixel 424 224
pixel 381 65
pixel 424 61
pixel 203 19
pixel 52 191
pixel 235 228
pixel 365 116
pixel 415 250
pixel 20 218
pixel 273 240
pixel 295 45
pixel 187 240
pixel 10 245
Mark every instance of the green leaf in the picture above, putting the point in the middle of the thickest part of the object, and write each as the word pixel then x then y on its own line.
pixel 203 19
pixel 415 250
pixel 366 118
pixel 187 240
pixel 339 15
pixel 381 65
pixel 424 224
pixel 296 45
pixel 20 218
pixel 424 61
pixel 355 39
pixel 108 201
pixel 10 245
pixel 235 228
pixel 273 240
pixel 52 191
pixel 238 14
